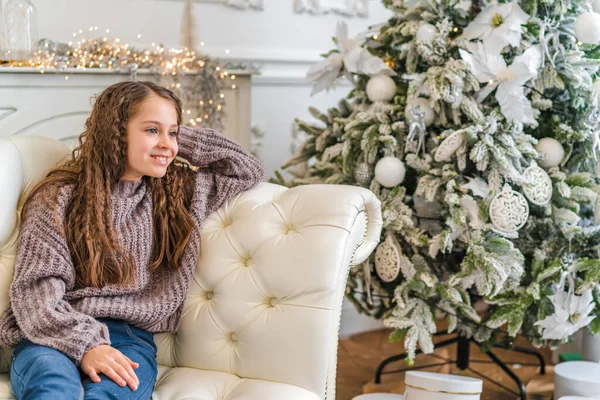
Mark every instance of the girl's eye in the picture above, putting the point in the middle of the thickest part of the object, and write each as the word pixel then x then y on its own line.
pixel 153 131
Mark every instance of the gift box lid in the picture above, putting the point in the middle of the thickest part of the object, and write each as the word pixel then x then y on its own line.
pixel 432 381
pixel 585 372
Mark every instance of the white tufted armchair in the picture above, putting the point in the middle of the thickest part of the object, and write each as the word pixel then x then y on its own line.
pixel 262 314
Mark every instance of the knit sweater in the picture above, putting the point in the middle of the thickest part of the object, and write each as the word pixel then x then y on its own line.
pixel 47 308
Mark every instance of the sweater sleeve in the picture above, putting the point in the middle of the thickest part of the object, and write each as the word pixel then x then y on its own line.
pixel 224 167
pixel 43 272
pixel 169 324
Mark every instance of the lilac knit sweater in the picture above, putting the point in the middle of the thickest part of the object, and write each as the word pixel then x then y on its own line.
pixel 47 308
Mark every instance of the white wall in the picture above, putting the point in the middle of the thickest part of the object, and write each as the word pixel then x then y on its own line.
pixel 283 43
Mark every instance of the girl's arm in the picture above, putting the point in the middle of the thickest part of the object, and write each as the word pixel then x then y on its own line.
pixel 224 167
pixel 43 272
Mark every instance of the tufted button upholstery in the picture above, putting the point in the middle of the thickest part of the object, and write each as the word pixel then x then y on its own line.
pixel 278 259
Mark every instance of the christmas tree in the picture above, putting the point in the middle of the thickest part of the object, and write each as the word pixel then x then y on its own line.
pixel 476 123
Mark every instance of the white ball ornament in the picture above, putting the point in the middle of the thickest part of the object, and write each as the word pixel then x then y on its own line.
pixel 423 106
pixel 553 150
pixel 381 88
pixel 426 33
pixel 587 28
pixel 390 171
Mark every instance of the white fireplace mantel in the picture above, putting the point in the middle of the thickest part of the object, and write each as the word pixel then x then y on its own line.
pixel 57 103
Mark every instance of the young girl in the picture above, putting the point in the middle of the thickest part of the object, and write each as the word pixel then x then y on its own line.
pixel 108 244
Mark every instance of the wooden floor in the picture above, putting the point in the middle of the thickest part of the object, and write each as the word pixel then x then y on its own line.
pixel 359 356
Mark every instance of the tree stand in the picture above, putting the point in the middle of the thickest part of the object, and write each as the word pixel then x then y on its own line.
pixel 463 359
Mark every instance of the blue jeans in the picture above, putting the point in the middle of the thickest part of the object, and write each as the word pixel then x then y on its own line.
pixel 40 372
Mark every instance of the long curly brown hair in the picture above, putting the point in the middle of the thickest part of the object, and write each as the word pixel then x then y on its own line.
pixel 96 165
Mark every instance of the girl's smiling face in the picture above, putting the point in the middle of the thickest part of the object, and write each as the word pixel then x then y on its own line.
pixel 151 139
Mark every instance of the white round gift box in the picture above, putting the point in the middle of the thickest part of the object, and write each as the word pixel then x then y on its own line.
pixel 433 386
pixel 576 398
pixel 577 378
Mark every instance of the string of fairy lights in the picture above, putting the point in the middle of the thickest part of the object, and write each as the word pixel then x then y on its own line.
pixel 197 79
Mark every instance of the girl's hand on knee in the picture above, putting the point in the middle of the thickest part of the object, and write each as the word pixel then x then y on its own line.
pixel 112 363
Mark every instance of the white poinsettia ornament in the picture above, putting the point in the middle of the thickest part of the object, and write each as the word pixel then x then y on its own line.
pixel 478 186
pixel 351 56
pixel 490 68
pixel 571 313
pixel 497 25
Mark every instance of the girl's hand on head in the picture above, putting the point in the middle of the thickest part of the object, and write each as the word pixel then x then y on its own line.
pixel 112 363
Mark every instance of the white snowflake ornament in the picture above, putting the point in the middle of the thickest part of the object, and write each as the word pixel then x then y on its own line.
pixel 509 210
pixel 387 260
pixel 539 192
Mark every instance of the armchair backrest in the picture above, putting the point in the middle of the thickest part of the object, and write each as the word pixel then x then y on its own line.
pixel 266 297
pixel 23 163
